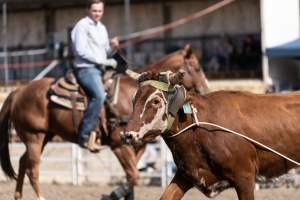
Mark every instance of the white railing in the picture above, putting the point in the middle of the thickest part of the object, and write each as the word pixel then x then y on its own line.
pixel 68 163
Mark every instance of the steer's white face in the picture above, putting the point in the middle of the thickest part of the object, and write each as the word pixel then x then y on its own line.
pixel 149 118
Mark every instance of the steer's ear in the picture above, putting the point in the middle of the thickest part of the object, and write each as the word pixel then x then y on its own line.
pixel 177 78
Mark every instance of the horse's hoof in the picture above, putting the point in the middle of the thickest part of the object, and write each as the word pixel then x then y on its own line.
pixel 18 196
pixel 106 197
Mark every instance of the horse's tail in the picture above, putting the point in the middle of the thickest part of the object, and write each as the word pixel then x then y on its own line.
pixel 4 138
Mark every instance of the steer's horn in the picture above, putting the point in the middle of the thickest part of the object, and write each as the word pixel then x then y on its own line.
pixel 132 74
pixel 176 78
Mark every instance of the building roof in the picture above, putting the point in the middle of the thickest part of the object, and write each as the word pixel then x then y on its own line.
pixel 17 5
pixel 287 50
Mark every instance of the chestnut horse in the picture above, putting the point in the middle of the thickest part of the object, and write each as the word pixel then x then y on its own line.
pixel 208 156
pixel 37 120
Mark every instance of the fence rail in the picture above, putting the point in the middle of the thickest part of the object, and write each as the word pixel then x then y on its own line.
pixel 25 64
pixel 68 163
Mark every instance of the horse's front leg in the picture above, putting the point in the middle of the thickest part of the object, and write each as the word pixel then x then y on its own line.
pixel 177 188
pixel 126 156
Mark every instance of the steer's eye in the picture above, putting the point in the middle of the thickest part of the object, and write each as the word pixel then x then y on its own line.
pixel 156 102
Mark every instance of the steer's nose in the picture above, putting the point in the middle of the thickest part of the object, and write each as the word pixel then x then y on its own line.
pixel 126 137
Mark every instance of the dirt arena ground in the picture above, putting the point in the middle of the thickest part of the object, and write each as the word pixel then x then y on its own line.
pixel 93 192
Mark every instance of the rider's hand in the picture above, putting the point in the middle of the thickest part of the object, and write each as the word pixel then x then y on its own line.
pixel 114 42
pixel 110 62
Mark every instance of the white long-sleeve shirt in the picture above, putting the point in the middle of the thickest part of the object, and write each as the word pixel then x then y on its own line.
pixel 90 43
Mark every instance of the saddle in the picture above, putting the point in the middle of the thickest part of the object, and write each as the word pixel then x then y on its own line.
pixel 66 92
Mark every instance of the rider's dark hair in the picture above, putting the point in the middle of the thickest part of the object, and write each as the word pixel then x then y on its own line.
pixel 91 2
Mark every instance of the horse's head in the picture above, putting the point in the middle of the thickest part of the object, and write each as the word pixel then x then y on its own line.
pixel 152 111
pixel 187 60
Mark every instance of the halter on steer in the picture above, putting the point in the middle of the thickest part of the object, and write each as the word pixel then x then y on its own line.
pixel 174 94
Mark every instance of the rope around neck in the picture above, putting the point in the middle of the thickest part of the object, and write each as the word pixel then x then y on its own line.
pixel 197 123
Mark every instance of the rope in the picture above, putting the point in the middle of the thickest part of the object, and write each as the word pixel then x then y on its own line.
pixel 197 123
pixel 152 32
pixel 46 70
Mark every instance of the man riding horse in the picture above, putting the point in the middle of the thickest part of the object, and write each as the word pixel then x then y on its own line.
pixel 90 47
pixel 37 116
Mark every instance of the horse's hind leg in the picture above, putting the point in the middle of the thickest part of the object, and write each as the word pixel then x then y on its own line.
pixel 34 150
pixel 24 166
pixel 20 179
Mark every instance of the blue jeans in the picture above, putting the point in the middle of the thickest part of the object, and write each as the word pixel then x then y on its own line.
pixel 89 78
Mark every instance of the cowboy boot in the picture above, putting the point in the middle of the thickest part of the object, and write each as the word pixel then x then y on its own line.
pixel 94 144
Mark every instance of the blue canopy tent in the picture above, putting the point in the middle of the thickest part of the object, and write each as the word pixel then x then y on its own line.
pixel 288 54
pixel 287 50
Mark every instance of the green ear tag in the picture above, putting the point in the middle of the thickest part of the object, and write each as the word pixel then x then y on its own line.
pixel 187 108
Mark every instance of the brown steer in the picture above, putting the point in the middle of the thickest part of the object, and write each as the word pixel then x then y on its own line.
pixel 209 158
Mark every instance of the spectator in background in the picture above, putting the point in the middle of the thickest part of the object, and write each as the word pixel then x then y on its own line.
pixel 270 87
pixel 251 52
pixel 224 53
pixel 213 65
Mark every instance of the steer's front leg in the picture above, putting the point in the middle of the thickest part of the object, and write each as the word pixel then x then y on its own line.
pixel 177 188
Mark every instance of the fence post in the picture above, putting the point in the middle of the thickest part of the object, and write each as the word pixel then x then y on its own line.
pixel 74 165
pixel 79 164
pixel 4 36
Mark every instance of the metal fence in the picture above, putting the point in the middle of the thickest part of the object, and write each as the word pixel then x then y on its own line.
pixel 27 64
pixel 230 56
